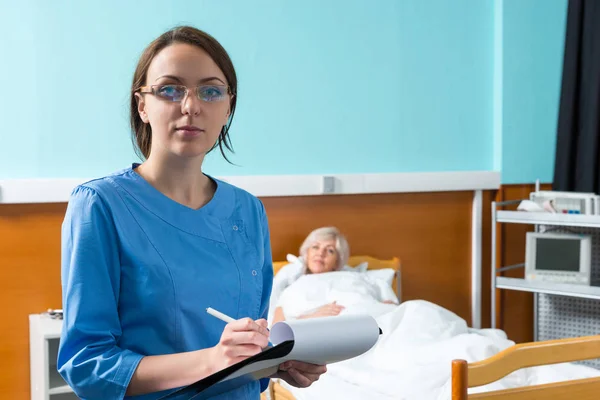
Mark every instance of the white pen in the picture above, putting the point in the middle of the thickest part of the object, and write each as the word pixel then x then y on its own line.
pixel 220 315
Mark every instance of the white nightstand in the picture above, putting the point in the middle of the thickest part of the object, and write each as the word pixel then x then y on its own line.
pixel 46 383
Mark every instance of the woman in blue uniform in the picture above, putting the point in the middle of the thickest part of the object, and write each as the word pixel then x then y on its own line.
pixel 146 250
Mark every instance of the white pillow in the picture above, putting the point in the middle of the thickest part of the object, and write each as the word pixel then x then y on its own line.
pixel 287 275
pixel 362 267
pixel 293 259
pixel 383 279
pixel 385 274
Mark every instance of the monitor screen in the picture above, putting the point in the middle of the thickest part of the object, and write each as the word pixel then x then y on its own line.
pixel 557 254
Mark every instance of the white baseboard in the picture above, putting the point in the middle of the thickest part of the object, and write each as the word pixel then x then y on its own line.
pixel 14 191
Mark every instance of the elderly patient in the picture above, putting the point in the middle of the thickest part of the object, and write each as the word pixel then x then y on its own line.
pixel 324 250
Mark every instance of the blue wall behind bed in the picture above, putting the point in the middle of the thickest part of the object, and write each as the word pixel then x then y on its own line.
pixel 337 86
pixel 533 48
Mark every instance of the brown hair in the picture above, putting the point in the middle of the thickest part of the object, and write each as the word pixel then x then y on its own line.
pixel 142 132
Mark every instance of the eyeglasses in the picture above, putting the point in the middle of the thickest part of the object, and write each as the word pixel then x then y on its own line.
pixel 177 93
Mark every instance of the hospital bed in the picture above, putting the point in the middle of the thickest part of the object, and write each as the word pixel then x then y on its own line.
pixel 466 375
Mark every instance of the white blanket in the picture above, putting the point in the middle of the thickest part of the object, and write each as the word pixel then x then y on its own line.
pixel 412 358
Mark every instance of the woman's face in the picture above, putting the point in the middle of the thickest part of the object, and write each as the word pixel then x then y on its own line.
pixel 189 127
pixel 322 256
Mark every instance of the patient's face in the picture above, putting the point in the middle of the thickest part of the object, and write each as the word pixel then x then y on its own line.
pixel 322 257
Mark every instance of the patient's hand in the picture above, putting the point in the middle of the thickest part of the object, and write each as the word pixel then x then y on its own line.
pixel 328 310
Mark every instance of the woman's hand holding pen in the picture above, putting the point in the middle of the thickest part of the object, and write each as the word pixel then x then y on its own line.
pixel 241 339
pixel 244 338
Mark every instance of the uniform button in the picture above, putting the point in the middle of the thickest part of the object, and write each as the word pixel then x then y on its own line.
pixel 254 272
pixel 235 227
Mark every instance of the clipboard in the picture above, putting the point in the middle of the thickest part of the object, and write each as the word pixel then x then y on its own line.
pixel 319 341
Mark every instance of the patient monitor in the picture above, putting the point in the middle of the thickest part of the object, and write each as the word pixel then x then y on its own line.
pixel 558 257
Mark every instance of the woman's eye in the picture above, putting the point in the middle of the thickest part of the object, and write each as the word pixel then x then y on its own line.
pixel 171 92
pixel 212 93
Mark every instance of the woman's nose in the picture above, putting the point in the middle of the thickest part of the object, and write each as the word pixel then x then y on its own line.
pixel 191 104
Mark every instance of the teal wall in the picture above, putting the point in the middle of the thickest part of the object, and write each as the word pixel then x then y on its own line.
pixel 533 48
pixel 336 86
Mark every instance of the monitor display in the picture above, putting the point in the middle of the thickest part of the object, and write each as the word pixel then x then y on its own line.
pixel 557 254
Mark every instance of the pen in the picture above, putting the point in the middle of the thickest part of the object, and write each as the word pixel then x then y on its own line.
pixel 219 315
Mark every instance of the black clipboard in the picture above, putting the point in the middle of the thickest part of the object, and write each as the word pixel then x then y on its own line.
pixel 212 385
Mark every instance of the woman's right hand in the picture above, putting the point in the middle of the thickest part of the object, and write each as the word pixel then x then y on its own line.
pixel 328 310
pixel 240 340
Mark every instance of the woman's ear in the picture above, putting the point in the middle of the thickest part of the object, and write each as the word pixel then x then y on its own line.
pixel 141 107
pixel 227 114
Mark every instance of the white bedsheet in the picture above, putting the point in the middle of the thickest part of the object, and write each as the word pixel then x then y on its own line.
pixel 412 358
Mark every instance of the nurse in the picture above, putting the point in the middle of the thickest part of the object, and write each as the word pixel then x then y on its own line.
pixel 147 249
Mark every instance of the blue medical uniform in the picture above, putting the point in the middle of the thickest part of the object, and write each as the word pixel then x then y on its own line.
pixel 139 271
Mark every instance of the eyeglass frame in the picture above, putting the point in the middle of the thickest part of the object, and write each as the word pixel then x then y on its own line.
pixel 150 89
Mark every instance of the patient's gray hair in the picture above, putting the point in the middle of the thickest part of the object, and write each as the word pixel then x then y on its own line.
pixel 327 233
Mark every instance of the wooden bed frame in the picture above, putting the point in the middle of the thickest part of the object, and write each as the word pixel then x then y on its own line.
pixel 465 375
pixel 525 355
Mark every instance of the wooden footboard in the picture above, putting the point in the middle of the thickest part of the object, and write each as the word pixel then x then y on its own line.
pixel 280 393
pixel 525 355
pixel 277 392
